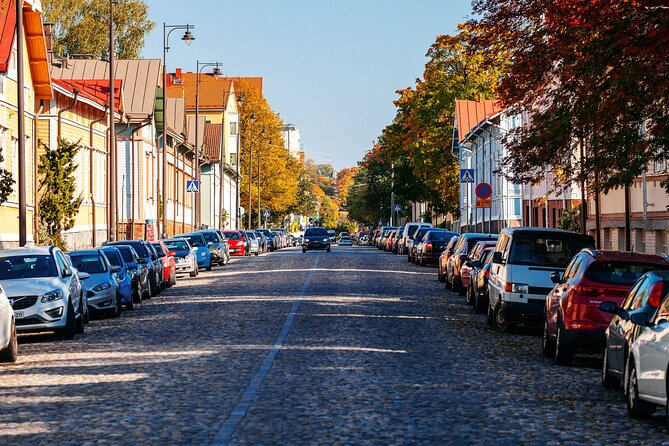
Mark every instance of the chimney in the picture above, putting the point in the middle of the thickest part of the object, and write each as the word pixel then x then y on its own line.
pixel 48 37
pixel 178 73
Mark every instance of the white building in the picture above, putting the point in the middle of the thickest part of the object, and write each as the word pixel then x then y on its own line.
pixel 291 139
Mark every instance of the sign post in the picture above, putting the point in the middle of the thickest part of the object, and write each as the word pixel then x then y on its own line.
pixel 192 186
pixel 483 193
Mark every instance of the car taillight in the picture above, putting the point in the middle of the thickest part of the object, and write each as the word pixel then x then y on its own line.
pixel 428 246
pixel 655 295
pixel 244 239
pixel 587 291
pixel 486 273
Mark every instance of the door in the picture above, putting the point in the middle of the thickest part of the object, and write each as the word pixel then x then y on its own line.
pixel 653 355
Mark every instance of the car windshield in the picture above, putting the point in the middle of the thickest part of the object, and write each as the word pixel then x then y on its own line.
pixel 194 240
pixel 315 232
pixel 440 236
pixel 126 254
pixel 412 230
pixel 89 263
pixel 26 267
pixel 176 245
pixel 232 235
pixel 267 232
pixel 210 237
pixel 551 251
pixel 114 258
pixel 472 241
pixel 251 235
pixel 140 249
pixel 159 249
pixel 619 273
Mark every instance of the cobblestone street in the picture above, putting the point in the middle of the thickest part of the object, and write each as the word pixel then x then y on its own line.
pixel 355 346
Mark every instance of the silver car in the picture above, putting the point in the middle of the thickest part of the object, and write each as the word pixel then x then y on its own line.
pixel 8 339
pixel 254 244
pixel 102 293
pixel 45 293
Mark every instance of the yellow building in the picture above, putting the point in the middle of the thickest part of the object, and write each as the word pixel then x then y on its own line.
pixel 37 89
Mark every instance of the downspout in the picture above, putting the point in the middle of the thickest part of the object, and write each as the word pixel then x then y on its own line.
pixel 60 112
pixel 132 167
pixel 91 176
pixel 221 189
pixel 35 149
pixel 490 162
pixel 115 176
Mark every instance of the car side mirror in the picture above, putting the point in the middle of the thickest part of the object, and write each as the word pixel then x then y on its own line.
pixel 443 248
pixel 555 277
pixel 640 318
pixel 116 269
pixel 141 261
pixel 609 307
pixel 210 243
pixel 67 272
pixel 84 276
pixel 497 257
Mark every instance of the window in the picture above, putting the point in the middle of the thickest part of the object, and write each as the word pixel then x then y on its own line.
pixel 660 166
pixel 627 303
pixel 233 128
pixel 2 84
pixel 15 167
pixel 618 273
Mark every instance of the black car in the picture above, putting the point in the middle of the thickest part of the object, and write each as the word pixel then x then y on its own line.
pixel 645 297
pixel 479 281
pixel 431 245
pixel 316 238
pixel 216 246
pixel 414 240
pixel 147 256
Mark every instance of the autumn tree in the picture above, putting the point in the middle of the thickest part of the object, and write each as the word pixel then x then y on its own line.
pixel 344 181
pixel 261 144
pixel 79 23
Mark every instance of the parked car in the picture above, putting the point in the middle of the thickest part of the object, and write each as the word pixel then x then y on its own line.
pixel 446 253
pixel 147 256
pixel 272 244
pixel 101 285
pixel 479 283
pixel 397 246
pixel 469 268
pixel 333 235
pixel 460 252
pixel 316 238
pixel 215 243
pixel 236 242
pixel 408 233
pixel 202 254
pixel 414 241
pixel 224 245
pixel 9 345
pixel 169 265
pixel 647 378
pixel 431 245
pixel 185 256
pixel 139 272
pixel 254 243
pixel 262 241
pixel 45 293
pixel 345 241
pixel 645 296
pixel 523 261
pixel 129 295
pixel 247 242
pixel 69 264
pixel 573 319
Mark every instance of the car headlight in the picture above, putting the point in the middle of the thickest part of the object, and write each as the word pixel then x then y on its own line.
pixel 52 296
pixel 102 287
pixel 203 253
pixel 520 288
pixel 325 239
pixel 132 274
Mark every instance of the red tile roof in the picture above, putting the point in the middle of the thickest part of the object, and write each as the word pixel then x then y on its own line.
pixel 212 141
pixel 468 114
pixel 96 90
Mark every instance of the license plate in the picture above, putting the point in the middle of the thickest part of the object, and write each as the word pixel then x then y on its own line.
pixel 18 314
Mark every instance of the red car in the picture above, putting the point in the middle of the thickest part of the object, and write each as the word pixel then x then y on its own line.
pixel 574 320
pixel 236 242
pixel 169 264
pixel 475 254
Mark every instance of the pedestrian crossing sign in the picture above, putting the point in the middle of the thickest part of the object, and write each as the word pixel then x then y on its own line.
pixel 466 175
pixel 192 186
pixel 265 213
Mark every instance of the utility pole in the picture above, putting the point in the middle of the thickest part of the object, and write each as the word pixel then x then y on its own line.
pixel 392 193
pixel 21 116
pixel 112 131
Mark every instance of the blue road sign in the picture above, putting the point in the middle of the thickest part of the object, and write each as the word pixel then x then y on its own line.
pixel 397 208
pixel 265 213
pixel 466 175
pixel 192 186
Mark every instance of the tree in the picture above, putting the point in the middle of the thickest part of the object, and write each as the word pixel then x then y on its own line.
pixel 57 204
pixel 261 140
pixel 328 213
pixel 6 180
pixel 78 25
pixel 345 178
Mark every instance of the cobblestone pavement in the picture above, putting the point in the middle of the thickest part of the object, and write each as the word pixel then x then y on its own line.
pixel 355 346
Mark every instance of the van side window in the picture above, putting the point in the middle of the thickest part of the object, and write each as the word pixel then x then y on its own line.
pixel 631 296
pixel 504 246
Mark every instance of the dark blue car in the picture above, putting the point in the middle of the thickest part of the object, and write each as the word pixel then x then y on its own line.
pixel 138 272
pixel 147 256
pixel 125 281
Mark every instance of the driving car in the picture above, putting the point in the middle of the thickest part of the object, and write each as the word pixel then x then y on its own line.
pixel 573 319
pixel 9 345
pixel 345 241
pixel 43 290
pixel 236 242
pixel 316 238
pixel 185 256
pixel 147 256
pixel 129 295
pixel 102 293
pixel 169 265
pixel 215 243
pixel 139 272
pixel 332 234
pixel 198 242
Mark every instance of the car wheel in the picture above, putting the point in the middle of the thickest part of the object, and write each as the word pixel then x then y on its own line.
pixel 10 353
pixel 116 312
pixel 70 328
pixel 470 296
pixel 153 288
pixel 87 313
pixel 137 293
pixel 81 323
pixel 440 276
pixel 209 267
pixel 500 321
pixel 328 249
pixel 547 344
pixel 193 274
pixel 608 381
pixel 490 315
pixel 564 353
pixel 409 259
pixel 636 407
pixel 173 278
pixel 461 290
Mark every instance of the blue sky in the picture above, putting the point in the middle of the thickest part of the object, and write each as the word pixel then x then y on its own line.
pixel 329 67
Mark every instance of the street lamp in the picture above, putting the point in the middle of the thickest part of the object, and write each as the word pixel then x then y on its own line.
pixel 240 102
pixel 216 72
pixel 188 39
pixel 259 216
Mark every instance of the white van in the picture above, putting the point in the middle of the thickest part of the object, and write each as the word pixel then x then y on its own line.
pixel 409 230
pixel 520 275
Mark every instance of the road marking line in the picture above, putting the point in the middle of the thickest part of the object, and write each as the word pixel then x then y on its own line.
pixel 224 435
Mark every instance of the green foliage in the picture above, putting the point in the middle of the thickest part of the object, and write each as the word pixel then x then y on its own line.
pixel 58 205
pixel 224 218
pixel 6 180
pixel 82 27
pixel 571 219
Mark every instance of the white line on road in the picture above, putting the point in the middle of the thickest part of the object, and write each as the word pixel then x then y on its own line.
pixel 224 435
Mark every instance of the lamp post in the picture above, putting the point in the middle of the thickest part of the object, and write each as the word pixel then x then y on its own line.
pixel 259 216
pixel 216 72
pixel 253 118
pixel 240 101
pixel 187 38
